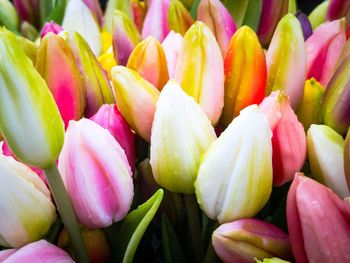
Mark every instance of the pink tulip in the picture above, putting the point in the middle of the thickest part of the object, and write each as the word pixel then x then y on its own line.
pixel 111 119
pixel 318 222
pixel 288 139
pixel 38 252
pixel 95 8
pixel 96 173
pixel 323 49
pixel 171 46
pixel 50 27
pixel 156 20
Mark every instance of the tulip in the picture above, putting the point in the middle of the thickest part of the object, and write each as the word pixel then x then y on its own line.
pixel 125 37
pixel 175 156
pixel 139 12
pixel 338 9
pixel 272 260
pixel 156 20
pixel 109 117
pixel 347 159
pixel 97 87
pixel 325 152
pixel 79 18
pixel 310 108
pixel 29 31
pixel 318 222
pixel 305 24
pixel 336 100
pixel 113 5
pixel 107 61
pixel 271 13
pixel 8 15
pixel 235 176
pixel 40 252
pixel 66 83
pixel 245 71
pixel 215 15
pixel 171 47
pixel 101 190
pixel 106 40
pixel 148 59
pixel 50 27
pixel 323 49
pixel 285 59
pixel 244 240
pixel 95 8
pixel 318 15
pixel 26 206
pixel 29 118
pixel 28 10
pixel 200 70
pixel 179 18
pixel 136 100
pixel 288 139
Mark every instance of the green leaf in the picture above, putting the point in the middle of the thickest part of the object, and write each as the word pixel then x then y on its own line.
pixel 292 7
pixel 46 8
pixel 57 13
pixel 237 9
pixel 134 225
pixel 252 14
pixel 194 9
pixel 171 248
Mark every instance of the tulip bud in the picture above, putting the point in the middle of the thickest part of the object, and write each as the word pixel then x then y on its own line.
pixel 347 159
pixel 316 218
pixel 336 101
pixel 309 111
pixel 288 137
pixel 175 156
pixel 338 9
pixel 97 87
pixel 215 15
pixel 243 240
pixel 139 10
pixel 325 152
pixel 66 84
pixel 305 24
pixel 29 31
pixel 318 15
pixel 323 49
pixel 113 5
pixel 179 18
pixel 200 70
pixel 107 61
pixel 26 206
pixel 29 118
pixel 271 13
pixel 40 251
pixel 148 59
pixel 79 18
pixel 245 71
pixel 28 10
pixel 171 47
pixel 109 117
pixel 286 60
pixel 125 37
pixel 95 8
pixel 272 260
pixel 101 190
pixel 8 15
pixel 235 176
pixel 50 27
pixel 156 20
pixel 136 99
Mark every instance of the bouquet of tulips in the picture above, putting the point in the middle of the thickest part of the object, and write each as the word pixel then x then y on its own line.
pixel 174 131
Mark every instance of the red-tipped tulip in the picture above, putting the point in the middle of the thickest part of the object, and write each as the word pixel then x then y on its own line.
pixel 288 138
pixel 318 223
pixel 96 173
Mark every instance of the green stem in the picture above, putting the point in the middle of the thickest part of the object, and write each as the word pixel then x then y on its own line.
pixel 194 226
pixel 66 212
pixel 210 255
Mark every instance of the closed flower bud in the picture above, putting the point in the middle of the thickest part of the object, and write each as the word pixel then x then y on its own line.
pixel 286 60
pixel 95 8
pixel 101 190
pixel 175 156
pixel 113 5
pixel 288 137
pixel 107 61
pixel 136 99
pixel 318 15
pixel 235 176
pixel 338 9
pixel 8 15
pixel 26 206
pixel 179 18
pixel 139 10
pixel 325 152
pixel 97 87
pixel 29 118
pixel 50 27
pixel 66 84
pixel 200 70
pixel 148 59
pixel 244 240
pixel 171 46
pixel 245 71
pixel 28 10
pixel 305 24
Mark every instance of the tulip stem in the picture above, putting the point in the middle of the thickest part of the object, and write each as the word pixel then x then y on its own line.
pixel 194 226
pixel 66 212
